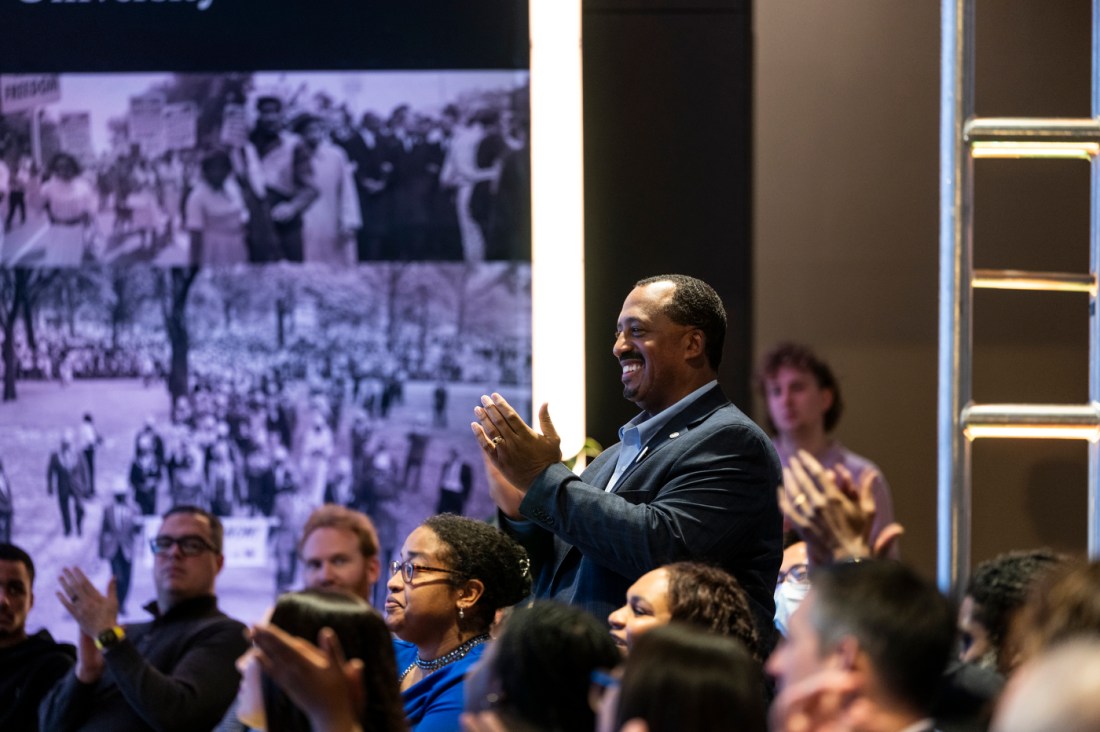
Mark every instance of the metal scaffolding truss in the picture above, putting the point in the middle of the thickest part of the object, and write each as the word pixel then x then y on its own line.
pixel 964 138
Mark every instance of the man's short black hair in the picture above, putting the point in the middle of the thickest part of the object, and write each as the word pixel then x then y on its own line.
pixel 1000 587
pixel 695 303
pixel 12 553
pixel 217 532
pixel 903 624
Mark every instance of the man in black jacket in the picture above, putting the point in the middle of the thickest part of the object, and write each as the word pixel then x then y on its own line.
pixel 29 664
pixel 174 673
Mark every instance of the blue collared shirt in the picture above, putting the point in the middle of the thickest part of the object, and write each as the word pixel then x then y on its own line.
pixel 639 431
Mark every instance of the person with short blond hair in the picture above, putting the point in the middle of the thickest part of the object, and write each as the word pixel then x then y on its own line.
pixel 339 548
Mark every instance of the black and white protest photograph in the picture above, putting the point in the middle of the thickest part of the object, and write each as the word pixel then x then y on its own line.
pixel 257 393
pixel 336 167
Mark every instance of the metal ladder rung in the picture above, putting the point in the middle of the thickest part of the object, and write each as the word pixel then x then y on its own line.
pixel 1033 137
pixel 1015 279
pixel 1050 421
pixel 965 137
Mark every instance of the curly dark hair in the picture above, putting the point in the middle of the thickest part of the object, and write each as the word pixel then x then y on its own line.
pixel 476 550
pixel 712 599
pixel 1000 587
pixel 1064 602
pixel 695 303
pixel 801 357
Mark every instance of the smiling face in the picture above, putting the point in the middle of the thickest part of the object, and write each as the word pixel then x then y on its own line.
pixel 424 611
pixel 646 608
pixel 16 600
pixel 796 403
pixel 656 354
pixel 178 577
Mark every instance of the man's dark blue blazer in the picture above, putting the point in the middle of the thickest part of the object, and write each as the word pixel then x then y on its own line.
pixel 703 489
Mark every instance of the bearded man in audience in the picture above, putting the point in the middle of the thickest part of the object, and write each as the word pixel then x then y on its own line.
pixel 339 549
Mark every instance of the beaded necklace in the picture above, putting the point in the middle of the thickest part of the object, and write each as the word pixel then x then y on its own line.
pixel 438 663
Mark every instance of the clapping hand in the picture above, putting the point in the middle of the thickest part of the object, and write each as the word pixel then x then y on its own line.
pixel 518 452
pixel 831 513
pixel 326 686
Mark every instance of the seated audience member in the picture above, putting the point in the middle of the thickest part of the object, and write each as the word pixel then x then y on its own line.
pixel 793 581
pixel 835 519
pixel 681 678
pixel 1054 692
pixel 339 549
pixel 688 592
pixel 453 576
pixel 872 634
pixel 269 702
pixel 1065 603
pixel 536 675
pixel 995 596
pixel 175 672
pixel 804 407
pixel 29 664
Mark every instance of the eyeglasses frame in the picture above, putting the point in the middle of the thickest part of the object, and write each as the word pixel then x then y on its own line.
pixel 176 541
pixel 410 574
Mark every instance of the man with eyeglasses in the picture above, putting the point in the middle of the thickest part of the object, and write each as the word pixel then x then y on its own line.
pixel 793 581
pixel 175 672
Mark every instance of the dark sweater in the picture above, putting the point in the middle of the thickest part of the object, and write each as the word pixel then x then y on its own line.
pixel 28 670
pixel 174 673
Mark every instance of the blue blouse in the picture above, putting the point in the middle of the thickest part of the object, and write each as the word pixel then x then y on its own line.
pixel 434 703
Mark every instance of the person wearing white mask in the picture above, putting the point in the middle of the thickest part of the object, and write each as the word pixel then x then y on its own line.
pixel 793 581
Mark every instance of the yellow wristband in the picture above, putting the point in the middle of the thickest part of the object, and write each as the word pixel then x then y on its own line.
pixel 110 638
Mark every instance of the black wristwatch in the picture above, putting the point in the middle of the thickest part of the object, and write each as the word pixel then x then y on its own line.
pixel 110 638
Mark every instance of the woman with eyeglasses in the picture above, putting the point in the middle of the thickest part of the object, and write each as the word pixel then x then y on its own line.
pixel 687 592
pixel 454 573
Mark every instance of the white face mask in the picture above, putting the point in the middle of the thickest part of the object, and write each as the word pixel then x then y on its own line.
pixel 788 596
